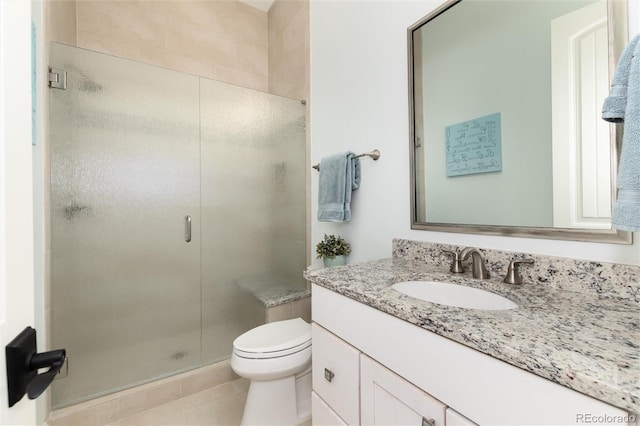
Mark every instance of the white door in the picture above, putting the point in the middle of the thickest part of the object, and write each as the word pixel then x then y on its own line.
pixel 16 193
pixel 581 140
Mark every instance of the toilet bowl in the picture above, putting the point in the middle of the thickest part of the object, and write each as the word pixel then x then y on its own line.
pixel 276 358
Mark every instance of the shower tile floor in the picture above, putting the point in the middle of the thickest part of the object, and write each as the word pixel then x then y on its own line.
pixel 220 405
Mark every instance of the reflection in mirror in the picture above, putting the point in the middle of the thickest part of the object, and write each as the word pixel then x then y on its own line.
pixel 506 135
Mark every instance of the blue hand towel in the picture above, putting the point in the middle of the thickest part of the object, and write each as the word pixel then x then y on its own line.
pixel 614 106
pixel 339 175
pixel 623 105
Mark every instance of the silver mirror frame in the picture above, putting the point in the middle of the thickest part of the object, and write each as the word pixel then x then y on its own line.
pixel 617 12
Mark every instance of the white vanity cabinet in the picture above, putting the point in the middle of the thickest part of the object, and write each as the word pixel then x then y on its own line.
pixel 323 415
pixel 453 418
pixel 349 388
pixel 386 399
pixel 336 374
pixel 387 371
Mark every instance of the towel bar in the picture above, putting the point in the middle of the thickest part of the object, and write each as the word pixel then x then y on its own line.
pixel 375 154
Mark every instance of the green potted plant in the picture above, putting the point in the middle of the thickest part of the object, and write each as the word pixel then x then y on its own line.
pixel 333 250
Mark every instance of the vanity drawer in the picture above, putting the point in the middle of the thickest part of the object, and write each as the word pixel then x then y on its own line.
pixel 336 374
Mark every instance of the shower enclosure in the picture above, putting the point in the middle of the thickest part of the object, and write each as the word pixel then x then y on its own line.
pixel 174 200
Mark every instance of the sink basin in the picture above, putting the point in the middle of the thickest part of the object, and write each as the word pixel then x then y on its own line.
pixel 450 294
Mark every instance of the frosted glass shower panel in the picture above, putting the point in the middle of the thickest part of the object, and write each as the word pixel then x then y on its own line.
pixel 253 208
pixel 124 174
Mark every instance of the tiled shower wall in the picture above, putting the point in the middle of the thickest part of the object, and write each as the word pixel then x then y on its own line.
pixel 221 40
pixel 289 49
pixel 224 40
pixel 288 36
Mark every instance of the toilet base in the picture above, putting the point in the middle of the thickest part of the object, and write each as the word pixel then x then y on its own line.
pixel 285 401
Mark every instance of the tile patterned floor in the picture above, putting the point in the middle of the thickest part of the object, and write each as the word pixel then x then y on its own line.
pixel 218 406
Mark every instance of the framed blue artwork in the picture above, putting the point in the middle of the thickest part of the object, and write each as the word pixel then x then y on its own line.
pixel 474 146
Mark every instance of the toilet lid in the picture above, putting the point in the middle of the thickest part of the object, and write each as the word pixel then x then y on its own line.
pixel 275 337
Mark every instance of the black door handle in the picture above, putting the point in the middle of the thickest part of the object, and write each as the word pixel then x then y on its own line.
pixel 23 363
pixel 54 360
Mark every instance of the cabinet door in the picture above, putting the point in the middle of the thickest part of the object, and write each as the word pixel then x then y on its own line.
pixel 453 418
pixel 336 374
pixel 323 415
pixel 388 399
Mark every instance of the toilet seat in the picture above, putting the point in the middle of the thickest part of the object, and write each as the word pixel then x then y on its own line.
pixel 274 340
pixel 276 358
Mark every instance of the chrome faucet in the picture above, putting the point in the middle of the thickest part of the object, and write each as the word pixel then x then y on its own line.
pixel 477 262
pixel 513 274
pixel 456 262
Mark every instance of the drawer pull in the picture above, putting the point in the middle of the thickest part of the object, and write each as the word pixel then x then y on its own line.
pixel 428 422
pixel 328 375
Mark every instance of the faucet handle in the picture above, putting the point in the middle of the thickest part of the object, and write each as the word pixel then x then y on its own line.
pixel 513 273
pixel 456 262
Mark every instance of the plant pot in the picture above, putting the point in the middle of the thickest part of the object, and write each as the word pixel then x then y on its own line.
pixel 336 261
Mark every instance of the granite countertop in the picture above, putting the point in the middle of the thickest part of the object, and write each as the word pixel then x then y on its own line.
pixel 583 341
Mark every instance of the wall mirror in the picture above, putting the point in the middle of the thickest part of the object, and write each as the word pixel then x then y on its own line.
pixel 505 130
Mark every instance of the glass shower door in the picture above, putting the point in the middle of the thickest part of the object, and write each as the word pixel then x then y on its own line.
pixel 253 209
pixel 125 175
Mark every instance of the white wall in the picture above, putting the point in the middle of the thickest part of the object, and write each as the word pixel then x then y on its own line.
pixel 16 203
pixel 359 101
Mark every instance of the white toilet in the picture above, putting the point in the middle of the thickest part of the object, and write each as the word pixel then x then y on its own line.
pixel 276 357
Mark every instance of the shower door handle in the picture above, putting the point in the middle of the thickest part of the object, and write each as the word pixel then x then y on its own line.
pixel 187 228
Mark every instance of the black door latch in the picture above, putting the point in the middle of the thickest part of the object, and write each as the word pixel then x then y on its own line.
pixel 23 363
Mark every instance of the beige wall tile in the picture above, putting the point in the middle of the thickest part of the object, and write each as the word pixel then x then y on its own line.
pixel 99 414
pixel 252 58
pixel 280 312
pixel 61 21
pixel 190 64
pixel 293 33
pixel 210 377
pixel 149 398
pixel 198 14
pixel 251 25
pixel 297 309
pixel 116 46
pixel 196 42
pixel 244 79
pixel 222 40
pixel 283 11
pixel 225 40
pixel 302 309
pixel 288 77
pixel 288 48
pixel 118 27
